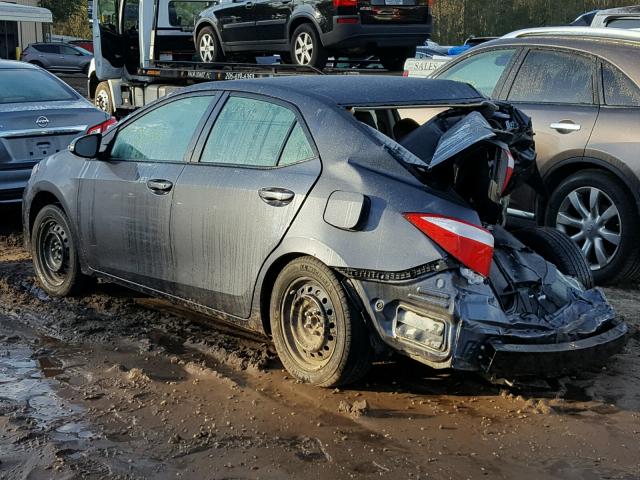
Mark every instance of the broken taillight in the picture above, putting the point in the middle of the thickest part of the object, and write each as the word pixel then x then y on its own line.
pixel 102 127
pixel 470 244
pixel 510 165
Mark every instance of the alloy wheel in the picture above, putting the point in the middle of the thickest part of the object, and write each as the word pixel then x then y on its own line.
pixel 308 323
pixel 303 49
pixel 592 220
pixel 53 252
pixel 207 48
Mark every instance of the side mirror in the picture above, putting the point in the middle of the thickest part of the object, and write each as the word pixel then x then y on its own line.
pixel 87 146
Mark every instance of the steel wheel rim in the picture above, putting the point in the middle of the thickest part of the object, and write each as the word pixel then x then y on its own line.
pixel 303 48
pixel 53 252
pixel 307 317
pixel 592 220
pixel 207 48
pixel 102 101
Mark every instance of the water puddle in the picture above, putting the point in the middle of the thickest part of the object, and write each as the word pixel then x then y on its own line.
pixel 27 387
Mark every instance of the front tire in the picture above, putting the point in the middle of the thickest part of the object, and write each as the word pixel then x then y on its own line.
pixel 103 100
pixel 54 253
pixel 306 47
pixel 209 48
pixel 594 208
pixel 320 338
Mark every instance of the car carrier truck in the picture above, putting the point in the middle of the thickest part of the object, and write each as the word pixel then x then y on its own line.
pixel 144 49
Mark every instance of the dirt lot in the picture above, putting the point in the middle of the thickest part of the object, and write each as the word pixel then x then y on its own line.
pixel 115 385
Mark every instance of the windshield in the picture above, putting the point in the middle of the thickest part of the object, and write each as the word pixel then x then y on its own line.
pixel 27 85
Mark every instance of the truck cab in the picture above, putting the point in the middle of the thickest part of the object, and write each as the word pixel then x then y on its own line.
pixel 129 36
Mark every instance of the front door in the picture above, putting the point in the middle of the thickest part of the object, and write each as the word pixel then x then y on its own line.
pixel 556 89
pixel 108 47
pixel 233 207
pixel 237 22
pixel 126 199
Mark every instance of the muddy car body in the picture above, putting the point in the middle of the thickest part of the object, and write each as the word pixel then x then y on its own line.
pixel 344 247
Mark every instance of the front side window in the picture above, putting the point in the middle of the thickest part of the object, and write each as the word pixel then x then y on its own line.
pixel 483 71
pixel 163 134
pixel 130 17
pixel 66 50
pixel 108 15
pixel 253 132
pixel 548 76
pixel 619 90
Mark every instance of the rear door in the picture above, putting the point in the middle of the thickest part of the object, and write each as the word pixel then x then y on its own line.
pixel 125 200
pixel 237 22
pixel 233 206
pixel 271 19
pixel 556 88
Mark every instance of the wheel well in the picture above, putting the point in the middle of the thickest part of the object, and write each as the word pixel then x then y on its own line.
pixel 215 31
pixel 41 200
pixel 552 181
pixel 297 22
pixel 267 287
pixel 93 85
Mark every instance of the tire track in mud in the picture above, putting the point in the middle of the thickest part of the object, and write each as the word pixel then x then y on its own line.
pixel 165 393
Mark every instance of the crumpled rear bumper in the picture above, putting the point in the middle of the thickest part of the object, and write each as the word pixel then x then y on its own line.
pixel 517 359
pixel 466 327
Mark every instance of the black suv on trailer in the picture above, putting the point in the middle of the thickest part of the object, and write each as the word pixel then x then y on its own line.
pixel 307 32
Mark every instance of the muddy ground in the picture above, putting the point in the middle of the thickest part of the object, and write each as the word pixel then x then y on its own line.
pixel 115 385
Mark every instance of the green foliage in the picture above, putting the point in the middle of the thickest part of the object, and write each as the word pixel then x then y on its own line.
pixel 456 20
pixel 70 17
pixel 62 10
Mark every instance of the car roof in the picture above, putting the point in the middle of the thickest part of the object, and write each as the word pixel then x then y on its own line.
pixel 13 64
pixel 621 53
pixel 356 90
pixel 620 10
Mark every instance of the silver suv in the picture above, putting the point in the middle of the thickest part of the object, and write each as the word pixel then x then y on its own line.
pixel 61 57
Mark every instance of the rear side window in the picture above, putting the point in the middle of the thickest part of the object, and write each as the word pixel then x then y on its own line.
pixel 548 76
pixel 253 132
pixel 27 85
pixel 619 90
pixel 626 23
pixel 47 48
pixel 483 70
pixel 163 134
pixel 297 147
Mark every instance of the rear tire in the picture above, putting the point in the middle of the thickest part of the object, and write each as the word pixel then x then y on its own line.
pixel 209 49
pixel 320 338
pixel 54 253
pixel 393 60
pixel 103 100
pixel 557 248
pixel 614 213
pixel 306 47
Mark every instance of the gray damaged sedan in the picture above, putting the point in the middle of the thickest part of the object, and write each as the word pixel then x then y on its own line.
pixel 345 217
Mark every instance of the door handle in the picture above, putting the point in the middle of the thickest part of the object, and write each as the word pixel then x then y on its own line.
pixel 159 187
pixel 566 126
pixel 277 197
pixel 248 5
